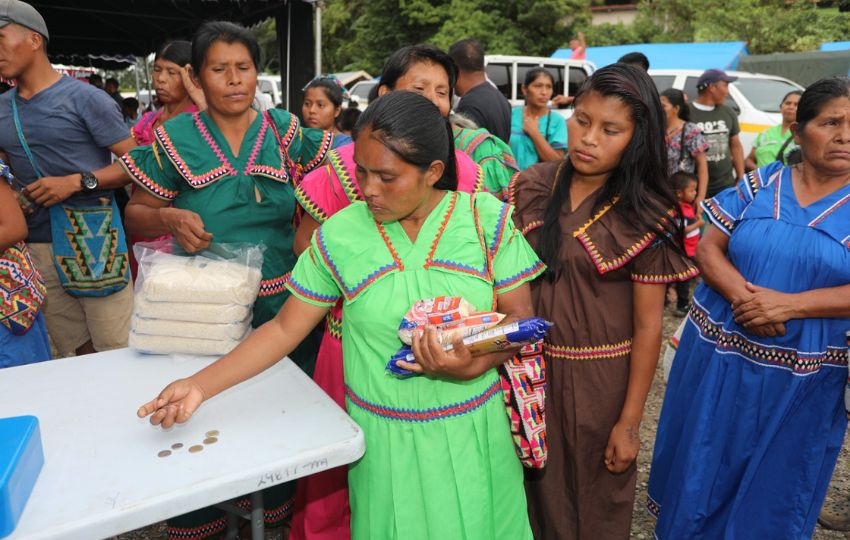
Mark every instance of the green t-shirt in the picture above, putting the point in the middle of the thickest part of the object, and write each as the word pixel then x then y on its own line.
pixel 718 126
pixel 769 142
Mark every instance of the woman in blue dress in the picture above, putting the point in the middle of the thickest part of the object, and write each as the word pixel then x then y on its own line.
pixel 753 418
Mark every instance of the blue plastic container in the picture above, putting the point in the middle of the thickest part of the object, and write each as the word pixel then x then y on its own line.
pixel 21 459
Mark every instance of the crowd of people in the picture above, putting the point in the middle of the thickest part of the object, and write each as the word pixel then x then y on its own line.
pixel 591 223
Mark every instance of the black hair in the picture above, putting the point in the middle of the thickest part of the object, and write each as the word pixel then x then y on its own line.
pixel 333 91
pixel 177 51
pixel 636 59
pixel 639 181
pixel 401 61
pixel 677 99
pixel 534 73
pixel 817 95
pixel 130 102
pixel 791 93
pixel 348 118
pixel 95 77
pixel 681 179
pixel 230 33
pixel 468 54
pixel 112 80
pixel 415 130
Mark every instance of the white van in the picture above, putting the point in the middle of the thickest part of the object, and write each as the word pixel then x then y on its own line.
pixel 507 73
pixel 754 96
pixel 270 84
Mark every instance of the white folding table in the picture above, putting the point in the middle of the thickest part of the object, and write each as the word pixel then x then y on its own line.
pixel 102 472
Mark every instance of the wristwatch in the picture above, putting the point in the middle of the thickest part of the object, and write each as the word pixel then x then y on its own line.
pixel 88 181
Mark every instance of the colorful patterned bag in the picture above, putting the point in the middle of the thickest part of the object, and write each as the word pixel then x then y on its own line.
pixel 523 380
pixel 89 249
pixel 22 290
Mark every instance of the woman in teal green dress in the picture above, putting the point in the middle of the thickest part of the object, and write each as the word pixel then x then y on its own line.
pixel 440 461
pixel 226 175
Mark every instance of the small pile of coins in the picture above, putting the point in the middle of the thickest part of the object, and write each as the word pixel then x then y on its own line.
pixel 211 437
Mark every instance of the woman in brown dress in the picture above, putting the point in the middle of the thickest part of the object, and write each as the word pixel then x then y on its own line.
pixel 603 221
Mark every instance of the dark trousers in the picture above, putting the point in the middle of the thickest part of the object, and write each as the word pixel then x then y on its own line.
pixel 683 294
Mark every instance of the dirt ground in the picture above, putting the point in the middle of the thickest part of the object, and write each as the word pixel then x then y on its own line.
pixel 642 522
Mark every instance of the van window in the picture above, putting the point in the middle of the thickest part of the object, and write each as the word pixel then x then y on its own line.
pixel 765 94
pixel 663 82
pixel 557 73
pixel 500 75
pixel 361 90
pixel 577 78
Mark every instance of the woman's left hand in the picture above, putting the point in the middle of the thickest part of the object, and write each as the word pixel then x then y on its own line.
pixel 194 91
pixel 623 447
pixel 433 361
pixel 764 306
pixel 530 124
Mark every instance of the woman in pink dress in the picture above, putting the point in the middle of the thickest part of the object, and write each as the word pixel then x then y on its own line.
pixel 177 94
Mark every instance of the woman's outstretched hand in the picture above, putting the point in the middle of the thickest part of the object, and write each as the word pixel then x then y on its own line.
pixel 432 360
pixel 176 403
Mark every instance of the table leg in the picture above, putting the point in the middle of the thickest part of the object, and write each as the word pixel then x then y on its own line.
pixel 257 516
pixel 232 526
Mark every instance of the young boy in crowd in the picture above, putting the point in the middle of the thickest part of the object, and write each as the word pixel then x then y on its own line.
pixel 685 185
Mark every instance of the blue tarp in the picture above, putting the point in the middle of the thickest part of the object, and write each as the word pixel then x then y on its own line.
pixel 723 55
pixel 835 46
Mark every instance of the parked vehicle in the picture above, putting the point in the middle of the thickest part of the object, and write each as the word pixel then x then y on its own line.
pixel 507 73
pixel 359 92
pixel 270 84
pixel 754 96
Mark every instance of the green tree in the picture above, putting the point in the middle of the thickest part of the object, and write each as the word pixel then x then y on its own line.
pixel 361 34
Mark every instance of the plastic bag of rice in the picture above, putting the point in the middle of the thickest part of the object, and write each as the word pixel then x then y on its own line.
pixel 180 345
pixel 185 329
pixel 222 274
pixel 190 311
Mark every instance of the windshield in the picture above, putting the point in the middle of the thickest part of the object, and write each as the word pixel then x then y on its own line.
pixel 764 94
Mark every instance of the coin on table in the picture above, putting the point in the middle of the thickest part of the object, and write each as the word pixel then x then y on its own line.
pixel 212 433
pixel 177 446
pixel 210 440
pixel 195 449
pixel 164 453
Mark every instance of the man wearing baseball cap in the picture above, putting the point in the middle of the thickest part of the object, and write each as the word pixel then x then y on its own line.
pixel 719 125
pixel 58 135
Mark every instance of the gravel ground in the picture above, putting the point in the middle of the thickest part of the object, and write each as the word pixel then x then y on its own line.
pixel 642 522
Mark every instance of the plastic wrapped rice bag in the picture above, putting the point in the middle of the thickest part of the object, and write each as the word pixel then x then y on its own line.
pixel 172 328
pixel 190 311
pixel 226 274
pixel 180 345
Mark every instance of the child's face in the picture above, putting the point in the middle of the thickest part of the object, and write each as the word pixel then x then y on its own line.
pixel 689 194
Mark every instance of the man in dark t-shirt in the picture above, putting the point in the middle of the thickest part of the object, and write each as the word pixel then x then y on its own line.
pixel 480 101
pixel 719 126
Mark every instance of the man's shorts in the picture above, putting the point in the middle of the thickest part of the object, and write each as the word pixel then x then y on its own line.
pixel 74 320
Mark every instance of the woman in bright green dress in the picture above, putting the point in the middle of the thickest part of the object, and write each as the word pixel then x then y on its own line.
pixel 440 461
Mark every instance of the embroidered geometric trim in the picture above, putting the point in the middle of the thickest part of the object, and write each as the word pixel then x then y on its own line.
pixel 143 180
pixel 599 352
pixel 531 226
pixel 351 292
pixel 653 507
pixel 825 214
pixel 194 180
pixel 718 216
pixel 693 271
pixel 800 363
pixel 526 275
pixel 302 291
pixel 499 232
pixel 349 184
pixel 424 415
pixel 309 205
pixel 270 287
pixel 334 325
pixel 197 533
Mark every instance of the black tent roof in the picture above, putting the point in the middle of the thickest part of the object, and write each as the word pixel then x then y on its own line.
pixel 137 27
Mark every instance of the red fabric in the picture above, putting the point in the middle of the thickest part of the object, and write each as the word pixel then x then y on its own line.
pixel 689 217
